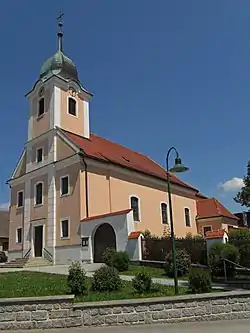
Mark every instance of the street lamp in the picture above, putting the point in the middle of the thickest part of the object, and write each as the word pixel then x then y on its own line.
pixel 178 167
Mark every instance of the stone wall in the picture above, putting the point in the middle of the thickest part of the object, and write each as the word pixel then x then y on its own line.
pixel 60 311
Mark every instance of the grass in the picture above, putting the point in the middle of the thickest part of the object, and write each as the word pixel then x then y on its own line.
pixel 153 271
pixel 30 284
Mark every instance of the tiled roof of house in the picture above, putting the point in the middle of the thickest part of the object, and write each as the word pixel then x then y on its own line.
pixel 215 234
pixel 211 207
pixel 101 216
pixel 4 224
pixel 108 151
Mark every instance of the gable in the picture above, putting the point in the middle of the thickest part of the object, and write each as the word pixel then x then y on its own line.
pixel 21 166
pixel 64 148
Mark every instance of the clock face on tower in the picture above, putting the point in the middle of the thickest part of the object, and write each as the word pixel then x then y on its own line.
pixel 72 92
pixel 41 92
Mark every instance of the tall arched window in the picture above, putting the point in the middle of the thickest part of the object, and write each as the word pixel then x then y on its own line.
pixel 39 194
pixel 187 217
pixel 72 106
pixel 164 213
pixel 41 108
pixel 134 204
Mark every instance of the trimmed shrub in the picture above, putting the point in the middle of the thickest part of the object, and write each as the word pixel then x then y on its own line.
pixel 77 280
pixel 199 281
pixel 108 256
pixel 121 261
pixel 183 262
pixel 216 254
pixel 106 279
pixel 3 257
pixel 142 282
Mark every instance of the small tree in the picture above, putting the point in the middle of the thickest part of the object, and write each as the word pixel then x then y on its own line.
pixel 243 196
pixel 77 280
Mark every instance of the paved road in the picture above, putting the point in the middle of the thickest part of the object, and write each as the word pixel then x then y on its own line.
pixel 208 327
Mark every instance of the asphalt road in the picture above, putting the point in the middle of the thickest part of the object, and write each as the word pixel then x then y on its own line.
pixel 208 327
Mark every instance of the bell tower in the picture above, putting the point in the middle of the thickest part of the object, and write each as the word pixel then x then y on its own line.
pixel 58 98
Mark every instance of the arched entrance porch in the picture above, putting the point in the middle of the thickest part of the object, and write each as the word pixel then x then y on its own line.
pixel 104 237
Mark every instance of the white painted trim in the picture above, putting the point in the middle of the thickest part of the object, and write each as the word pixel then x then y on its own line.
pixel 184 209
pixel 42 148
pixel 61 220
pixel 205 226
pixel 17 235
pixel 19 163
pixel 57 106
pixel 68 98
pixel 86 131
pixel 67 140
pixel 69 188
pixel 139 206
pixel 44 169
pixel 35 185
pixel 41 137
pixel 164 202
pixel 17 195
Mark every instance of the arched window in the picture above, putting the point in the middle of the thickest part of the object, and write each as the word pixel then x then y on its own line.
pixel 41 108
pixel 39 194
pixel 187 217
pixel 134 204
pixel 72 106
pixel 164 213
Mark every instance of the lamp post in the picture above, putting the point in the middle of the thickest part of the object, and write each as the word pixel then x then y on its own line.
pixel 178 167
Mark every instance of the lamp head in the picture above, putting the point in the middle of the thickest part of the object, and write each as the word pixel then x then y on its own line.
pixel 178 166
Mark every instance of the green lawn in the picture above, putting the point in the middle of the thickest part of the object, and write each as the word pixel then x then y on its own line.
pixel 28 284
pixel 154 272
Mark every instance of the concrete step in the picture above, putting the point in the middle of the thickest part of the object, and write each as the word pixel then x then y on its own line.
pixel 37 262
pixel 16 263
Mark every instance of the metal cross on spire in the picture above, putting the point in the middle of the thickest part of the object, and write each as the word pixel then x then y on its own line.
pixel 60 33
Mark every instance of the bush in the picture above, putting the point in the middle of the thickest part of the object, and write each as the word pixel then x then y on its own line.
pixel 121 261
pixel 3 257
pixel 218 252
pixel 142 282
pixel 106 279
pixel 199 281
pixel 183 262
pixel 77 281
pixel 108 256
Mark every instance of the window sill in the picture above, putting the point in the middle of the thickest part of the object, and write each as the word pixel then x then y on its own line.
pixel 38 205
pixel 18 208
pixel 19 243
pixel 40 117
pixel 73 115
pixel 63 238
pixel 64 195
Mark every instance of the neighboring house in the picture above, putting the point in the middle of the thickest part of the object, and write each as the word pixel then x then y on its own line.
pixel 4 230
pixel 244 219
pixel 212 215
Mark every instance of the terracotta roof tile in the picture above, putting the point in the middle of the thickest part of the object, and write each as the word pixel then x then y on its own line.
pixel 134 235
pixel 107 151
pixel 120 212
pixel 215 234
pixel 211 207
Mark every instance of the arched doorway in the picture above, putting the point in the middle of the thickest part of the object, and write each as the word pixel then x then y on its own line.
pixel 104 237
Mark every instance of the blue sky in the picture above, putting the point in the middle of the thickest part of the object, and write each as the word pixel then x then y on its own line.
pixel 163 73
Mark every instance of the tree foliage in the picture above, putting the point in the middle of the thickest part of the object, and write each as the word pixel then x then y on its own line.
pixel 243 196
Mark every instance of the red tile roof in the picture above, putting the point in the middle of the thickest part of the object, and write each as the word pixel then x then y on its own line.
pixel 120 212
pixel 134 235
pixel 211 207
pixel 107 151
pixel 215 234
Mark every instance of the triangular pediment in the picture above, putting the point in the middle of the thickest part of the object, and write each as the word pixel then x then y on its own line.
pixel 20 167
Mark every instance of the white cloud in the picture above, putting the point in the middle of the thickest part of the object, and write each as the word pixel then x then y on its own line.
pixel 233 184
pixel 4 206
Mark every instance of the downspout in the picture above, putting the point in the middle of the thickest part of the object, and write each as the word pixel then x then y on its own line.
pixel 81 153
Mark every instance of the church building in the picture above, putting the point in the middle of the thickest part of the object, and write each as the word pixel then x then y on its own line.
pixel 74 193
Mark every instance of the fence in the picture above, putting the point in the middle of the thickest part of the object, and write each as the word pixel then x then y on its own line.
pixel 156 249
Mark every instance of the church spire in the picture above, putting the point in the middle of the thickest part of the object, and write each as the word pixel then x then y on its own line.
pixel 60 33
